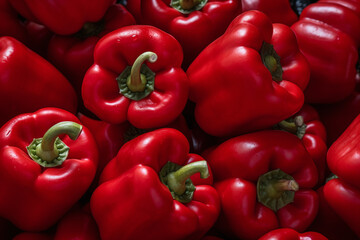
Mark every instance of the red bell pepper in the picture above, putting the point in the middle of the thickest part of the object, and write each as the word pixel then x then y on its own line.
pixel 73 55
pixel 194 23
pixel 328 37
pixel 119 86
pixel 279 11
pixel 264 181
pixel 78 224
pixel 291 234
pixel 344 199
pixel 38 38
pixel 42 165
pixel 146 191
pixel 343 193
pixel 11 24
pixel 28 82
pixel 238 83
pixel 110 137
pixel 306 124
pixel 328 223
pixel 338 116
pixel 62 16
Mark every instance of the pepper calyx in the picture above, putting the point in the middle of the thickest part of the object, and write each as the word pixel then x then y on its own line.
pixel 177 178
pixel 188 6
pixel 276 189
pixel 271 60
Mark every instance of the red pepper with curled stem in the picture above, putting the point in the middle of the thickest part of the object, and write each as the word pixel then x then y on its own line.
pixel 48 160
pixel 155 189
pixel 139 80
pixel 73 54
pixel 264 180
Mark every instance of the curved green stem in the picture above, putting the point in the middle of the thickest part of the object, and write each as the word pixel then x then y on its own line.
pixel 47 150
pixel 176 180
pixel 294 125
pixel 136 81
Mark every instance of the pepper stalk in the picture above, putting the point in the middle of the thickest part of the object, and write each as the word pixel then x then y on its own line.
pixel 50 151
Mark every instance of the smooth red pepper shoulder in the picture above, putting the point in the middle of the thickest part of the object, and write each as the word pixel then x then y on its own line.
pixel 149 174
pixel 238 83
pixel 47 162
pixel 136 76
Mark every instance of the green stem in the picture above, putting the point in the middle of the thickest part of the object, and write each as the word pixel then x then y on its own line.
pixel 47 150
pixel 295 125
pixel 176 180
pixel 136 82
pixel 277 187
pixel 189 4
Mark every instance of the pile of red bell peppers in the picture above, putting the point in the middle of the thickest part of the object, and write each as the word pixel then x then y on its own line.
pixel 179 120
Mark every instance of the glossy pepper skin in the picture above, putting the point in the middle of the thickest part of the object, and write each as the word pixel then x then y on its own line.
pixel 49 192
pixel 62 17
pixel 73 54
pixel 149 210
pixel 165 94
pixel 14 27
pixel 306 124
pixel 343 193
pixel 238 165
pixel 327 36
pixel 291 234
pixel 28 82
pixel 329 223
pixel 234 91
pixel 194 29
pixel 77 224
pixel 338 116
pixel 279 11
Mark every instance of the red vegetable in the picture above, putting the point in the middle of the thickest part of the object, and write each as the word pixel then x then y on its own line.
pixel 290 234
pixel 328 37
pixel 43 176
pixel 237 82
pixel 264 181
pixel 12 25
pixel 73 54
pixel 307 126
pixel 28 82
pixel 279 11
pixel 151 88
pixel 328 223
pixel 146 193
pixel 194 23
pixel 338 116
pixel 343 194
pixel 62 16
pixel 78 224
